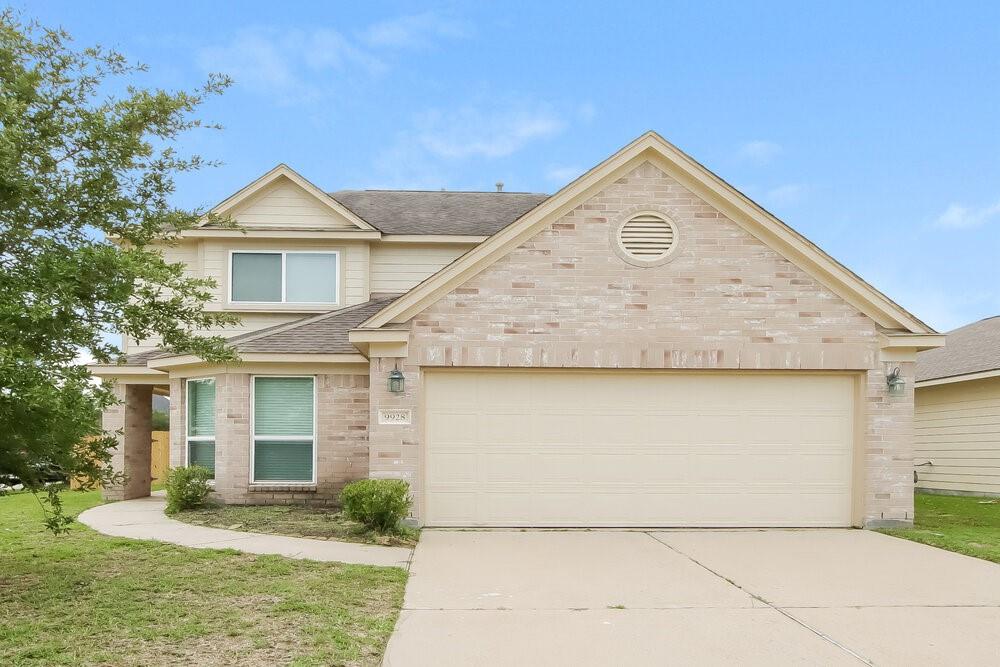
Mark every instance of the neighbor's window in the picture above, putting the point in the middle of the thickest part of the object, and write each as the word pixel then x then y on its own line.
pixel 201 423
pixel 284 277
pixel 283 429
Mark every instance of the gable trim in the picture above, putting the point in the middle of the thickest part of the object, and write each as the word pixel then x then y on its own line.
pixel 284 171
pixel 653 148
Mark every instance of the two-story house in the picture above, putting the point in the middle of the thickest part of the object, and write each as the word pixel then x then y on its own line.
pixel 645 347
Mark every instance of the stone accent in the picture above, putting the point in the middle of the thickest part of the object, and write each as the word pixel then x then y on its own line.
pixel 131 419
pixel 726 300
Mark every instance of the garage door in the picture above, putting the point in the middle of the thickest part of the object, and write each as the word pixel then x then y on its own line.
pixel 538 448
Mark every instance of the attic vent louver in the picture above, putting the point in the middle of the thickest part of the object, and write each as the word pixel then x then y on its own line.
pixel 647 238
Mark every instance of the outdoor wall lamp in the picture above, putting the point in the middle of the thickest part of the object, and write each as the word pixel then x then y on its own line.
pixel 897 385
pixel 396 381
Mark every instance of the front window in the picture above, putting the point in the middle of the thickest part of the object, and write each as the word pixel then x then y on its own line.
pixel 284 277
pixel 201 423
pixel 284 429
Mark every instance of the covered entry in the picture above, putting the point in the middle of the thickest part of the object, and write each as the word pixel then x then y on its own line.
pixel 623 448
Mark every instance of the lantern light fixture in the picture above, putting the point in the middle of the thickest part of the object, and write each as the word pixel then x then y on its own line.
pixel 396 381
pixel 896 383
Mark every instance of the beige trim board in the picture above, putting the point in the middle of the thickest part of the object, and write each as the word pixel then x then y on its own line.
pixel 273 368
pixel 653 148
pixel 914 341
pixel 260 357
pixel 128 374
pixel 271 233
pixel 968 377
pixel 284 171
pixel 432 238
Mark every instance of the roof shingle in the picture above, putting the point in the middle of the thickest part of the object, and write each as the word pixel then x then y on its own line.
pixel 438 212
pixel 317 334
pixel 974 348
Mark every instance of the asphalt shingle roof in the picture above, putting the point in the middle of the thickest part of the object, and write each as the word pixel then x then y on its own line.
pixel 438 212
pixel 317 334
pixel 974 348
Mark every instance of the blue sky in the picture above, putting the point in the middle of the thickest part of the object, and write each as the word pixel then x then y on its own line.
pixel 872 128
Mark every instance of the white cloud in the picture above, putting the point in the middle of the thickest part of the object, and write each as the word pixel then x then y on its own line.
pixel 957 216
pixel 788 194
pixel 480 131
pixel 563 175
pixel 759 151
pixel 289 65
pixel 416 31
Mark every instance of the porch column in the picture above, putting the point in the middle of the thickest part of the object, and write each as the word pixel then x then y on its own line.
pixel 132 456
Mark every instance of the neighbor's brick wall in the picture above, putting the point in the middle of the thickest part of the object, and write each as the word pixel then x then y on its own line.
pixel 726 300
pixel 342 440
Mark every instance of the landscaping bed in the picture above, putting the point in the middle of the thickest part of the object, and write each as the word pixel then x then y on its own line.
pixel 295 521
pixel 966 524
pixel 88 599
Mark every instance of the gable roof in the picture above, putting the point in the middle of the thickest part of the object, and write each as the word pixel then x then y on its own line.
pixel 317 334
pixel 436 212
pixel 974 348
pixel 653 148
pixel 284 171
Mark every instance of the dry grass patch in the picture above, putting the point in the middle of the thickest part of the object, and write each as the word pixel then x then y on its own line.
pixel 294 520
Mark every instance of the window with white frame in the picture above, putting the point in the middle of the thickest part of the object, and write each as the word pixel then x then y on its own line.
pixel 284 277
pixel 284 429
pixel 201 423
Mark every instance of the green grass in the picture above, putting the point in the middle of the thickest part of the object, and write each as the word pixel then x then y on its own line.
pixel 88 599
pixel 966 524
pixel 294 520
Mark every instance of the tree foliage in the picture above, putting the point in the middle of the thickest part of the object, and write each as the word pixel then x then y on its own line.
pixel 88 161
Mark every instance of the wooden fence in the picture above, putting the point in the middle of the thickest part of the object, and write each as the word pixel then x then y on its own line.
pixel 159 461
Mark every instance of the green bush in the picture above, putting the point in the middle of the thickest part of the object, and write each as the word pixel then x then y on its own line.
pixel 380 504
pixel 187 488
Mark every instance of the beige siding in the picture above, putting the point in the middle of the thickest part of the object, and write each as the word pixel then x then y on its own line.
pixel 284 204
pixel 210 259
pixel 397 267
pixel 957 428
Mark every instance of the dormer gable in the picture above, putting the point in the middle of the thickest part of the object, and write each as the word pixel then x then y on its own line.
pixel 283 199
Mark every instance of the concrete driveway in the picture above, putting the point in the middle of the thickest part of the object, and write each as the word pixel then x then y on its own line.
pixel 771 597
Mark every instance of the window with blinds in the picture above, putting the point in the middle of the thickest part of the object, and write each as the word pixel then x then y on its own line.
pixel 284 439
pixel 201 423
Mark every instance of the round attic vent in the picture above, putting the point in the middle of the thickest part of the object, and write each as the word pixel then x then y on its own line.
pixel 647 238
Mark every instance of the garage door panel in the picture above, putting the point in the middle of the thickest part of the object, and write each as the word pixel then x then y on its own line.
pixel 638 449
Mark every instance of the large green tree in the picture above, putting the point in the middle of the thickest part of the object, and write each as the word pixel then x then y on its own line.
pixel 88 162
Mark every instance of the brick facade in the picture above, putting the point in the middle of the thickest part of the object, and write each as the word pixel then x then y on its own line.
pixel 726 300
pixel 342 439
pixel 131 419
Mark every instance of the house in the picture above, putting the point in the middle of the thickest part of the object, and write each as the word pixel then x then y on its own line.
pixel 957 413
pixel 645 347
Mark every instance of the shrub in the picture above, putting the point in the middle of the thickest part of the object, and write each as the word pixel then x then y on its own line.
pixel 187 488
pixel 380 504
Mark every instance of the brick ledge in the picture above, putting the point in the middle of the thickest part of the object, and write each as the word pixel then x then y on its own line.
pixel 272 488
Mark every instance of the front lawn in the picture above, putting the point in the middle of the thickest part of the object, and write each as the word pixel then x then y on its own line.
pixel 966 524
pixel 88 599
pixel 293 520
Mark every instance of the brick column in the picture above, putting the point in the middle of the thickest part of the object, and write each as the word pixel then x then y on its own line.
pixel 178 429
pixel 132 418
pixel 889 449
pixel 232 436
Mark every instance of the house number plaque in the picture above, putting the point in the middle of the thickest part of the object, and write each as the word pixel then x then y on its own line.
pixel 394 416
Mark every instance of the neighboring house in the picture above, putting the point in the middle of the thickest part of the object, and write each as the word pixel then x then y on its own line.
pixel 958 412
pixel 646 347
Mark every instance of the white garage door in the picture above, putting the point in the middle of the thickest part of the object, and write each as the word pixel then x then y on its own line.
pixel 539 448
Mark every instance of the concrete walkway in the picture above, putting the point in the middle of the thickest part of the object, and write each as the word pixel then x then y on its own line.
pixel 711 597
pixel 143 519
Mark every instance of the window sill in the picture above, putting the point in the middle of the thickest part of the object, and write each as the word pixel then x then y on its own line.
pixel 281 307
pixel 291 487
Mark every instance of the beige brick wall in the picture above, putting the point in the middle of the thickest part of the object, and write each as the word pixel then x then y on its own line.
pixel 726 300
pixel 342 438
pixel 131 419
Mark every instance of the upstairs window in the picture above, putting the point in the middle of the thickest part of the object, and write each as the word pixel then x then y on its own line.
pixel 284 277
